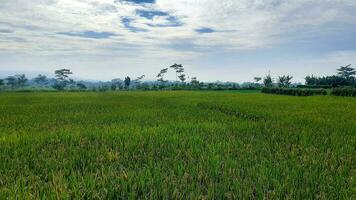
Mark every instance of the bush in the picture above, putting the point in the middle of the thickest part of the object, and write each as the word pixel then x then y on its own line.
pixel 294 92
pixel 315 86
pixel 344 92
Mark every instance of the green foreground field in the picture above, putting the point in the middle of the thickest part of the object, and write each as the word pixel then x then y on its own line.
pixel 176 145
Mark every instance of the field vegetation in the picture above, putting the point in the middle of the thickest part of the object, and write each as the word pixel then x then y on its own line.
pixel 176 145
pixel 294 91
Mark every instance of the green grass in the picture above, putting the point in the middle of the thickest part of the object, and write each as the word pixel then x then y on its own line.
pixel 176 145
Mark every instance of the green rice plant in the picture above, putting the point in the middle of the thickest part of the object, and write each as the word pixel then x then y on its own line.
pixel 176 145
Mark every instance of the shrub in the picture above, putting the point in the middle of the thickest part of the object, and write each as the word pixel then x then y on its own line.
pixel 344 92
pixel 294 92
pixel 315 86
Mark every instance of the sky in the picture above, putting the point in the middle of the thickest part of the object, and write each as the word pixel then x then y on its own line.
pixel 226 40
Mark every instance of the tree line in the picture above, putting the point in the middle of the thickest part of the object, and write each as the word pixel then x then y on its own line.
pixel 62 81
pixel 345 77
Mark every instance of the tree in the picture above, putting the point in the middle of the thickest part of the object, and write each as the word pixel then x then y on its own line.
pixel 179 69
pixel 81 86
pixel 284 81
pixel 18 80
pixel 127 82
pixel 268 81
pixel 11 81
pixel 175 68
pixel 21 79
pixel 138 79
pixel 160 76
pixel 182 78
pixel 1 82
pixel 62 79
pixel 40 79
pixel 116 84
pixel 257 79
pixel 311 80
pixel 63 74
pixel 194 81
pixel 346 72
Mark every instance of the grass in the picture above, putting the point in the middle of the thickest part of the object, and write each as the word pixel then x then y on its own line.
pixel 176 145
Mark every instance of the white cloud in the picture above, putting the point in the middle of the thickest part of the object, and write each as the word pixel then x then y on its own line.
pixel 238 25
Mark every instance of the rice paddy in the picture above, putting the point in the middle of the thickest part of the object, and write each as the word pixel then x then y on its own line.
pixel 176 145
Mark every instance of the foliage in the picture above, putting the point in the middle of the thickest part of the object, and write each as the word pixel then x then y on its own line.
pixel 179 69
pixel 40 79
pixel 333 81
pixel 268 81
pixel 293 91
pixel 127 82
pixel 116 84
pixel 315 86
pixel 344 92
pixel 176 145
pixel 81 86
pixel 182 78
pixel 284 81
pixel 138 79
pixel 257 79
pixel 345 77
pixel 160 77
pixel 18 80
pixel 21 80
pixel 11 81
pixel 62 79
pixel 194 82
pixel 346 72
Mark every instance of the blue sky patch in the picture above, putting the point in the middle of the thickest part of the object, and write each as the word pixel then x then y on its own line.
pixel 205 30
pixel 172 22
pixel 150 14
pixel 127 23
pixel 89 34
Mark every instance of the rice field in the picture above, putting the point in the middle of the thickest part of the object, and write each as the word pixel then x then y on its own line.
pixel 176 145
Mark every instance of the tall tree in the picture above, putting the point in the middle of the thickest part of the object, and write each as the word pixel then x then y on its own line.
pixel 175 67
pixel 268 81
pixel 346 71
pixel 179 70
pixel 160 76
pixel 127 82
pixel 62 78
pixel 1 82
pixel 182 78
pixel 62 74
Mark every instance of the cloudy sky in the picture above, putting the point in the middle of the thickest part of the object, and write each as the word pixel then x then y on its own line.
pixel 230 40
